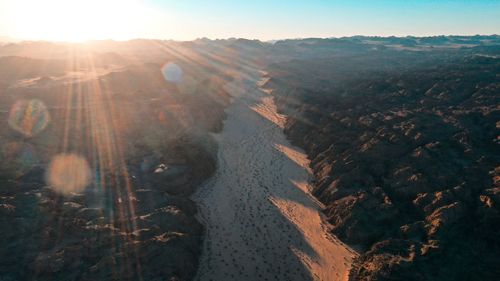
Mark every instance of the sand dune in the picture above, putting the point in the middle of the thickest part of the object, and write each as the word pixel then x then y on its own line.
pixel 262 223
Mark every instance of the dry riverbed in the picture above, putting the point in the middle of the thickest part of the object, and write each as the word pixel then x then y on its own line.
pixel 261 222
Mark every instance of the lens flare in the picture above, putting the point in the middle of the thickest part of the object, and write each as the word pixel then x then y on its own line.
pixel 68 173
pixel 29 117
pixel 172 72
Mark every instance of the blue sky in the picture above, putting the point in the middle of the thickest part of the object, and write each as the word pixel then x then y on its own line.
pixel 260 19
pixel 273 19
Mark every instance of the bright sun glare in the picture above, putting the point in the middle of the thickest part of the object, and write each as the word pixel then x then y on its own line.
pixel 77 20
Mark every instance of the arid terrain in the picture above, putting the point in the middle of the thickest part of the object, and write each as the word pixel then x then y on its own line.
pixel 262 223
pixel 355 158
pixel 100 153
pixel 404 150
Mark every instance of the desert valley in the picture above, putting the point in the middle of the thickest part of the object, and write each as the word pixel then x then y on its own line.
pixel 353 158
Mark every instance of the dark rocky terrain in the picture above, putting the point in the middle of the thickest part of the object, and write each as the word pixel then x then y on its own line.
pixel 402 134
pixel 404 147
pixel 142 136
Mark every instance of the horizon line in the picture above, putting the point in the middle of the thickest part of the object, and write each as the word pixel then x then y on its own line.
pixel 21 40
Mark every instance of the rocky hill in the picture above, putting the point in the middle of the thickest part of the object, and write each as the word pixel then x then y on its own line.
pixel 98 161
pixel 404 148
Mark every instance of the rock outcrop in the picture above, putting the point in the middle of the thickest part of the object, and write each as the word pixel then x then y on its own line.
pixel 404 148
pixel 121 210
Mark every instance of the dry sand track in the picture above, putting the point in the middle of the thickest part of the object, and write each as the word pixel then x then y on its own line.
pixel 262 224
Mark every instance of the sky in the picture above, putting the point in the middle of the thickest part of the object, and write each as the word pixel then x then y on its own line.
pixel 74 20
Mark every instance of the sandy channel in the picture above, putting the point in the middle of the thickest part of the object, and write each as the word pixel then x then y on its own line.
pixel 261 221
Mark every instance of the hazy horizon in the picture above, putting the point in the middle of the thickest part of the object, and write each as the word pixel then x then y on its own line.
pixel 9 39
pixel 57 20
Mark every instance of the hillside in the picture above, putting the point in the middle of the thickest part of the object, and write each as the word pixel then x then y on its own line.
pixel 404 148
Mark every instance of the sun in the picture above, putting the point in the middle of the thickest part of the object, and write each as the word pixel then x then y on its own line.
pixel 76 20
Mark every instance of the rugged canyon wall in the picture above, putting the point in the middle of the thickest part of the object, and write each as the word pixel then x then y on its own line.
pixel 99 155
pixel 404 149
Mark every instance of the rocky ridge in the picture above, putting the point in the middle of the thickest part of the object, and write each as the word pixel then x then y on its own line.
pixel 405 158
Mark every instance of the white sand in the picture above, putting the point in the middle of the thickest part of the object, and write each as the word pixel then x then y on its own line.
pixel 262 223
